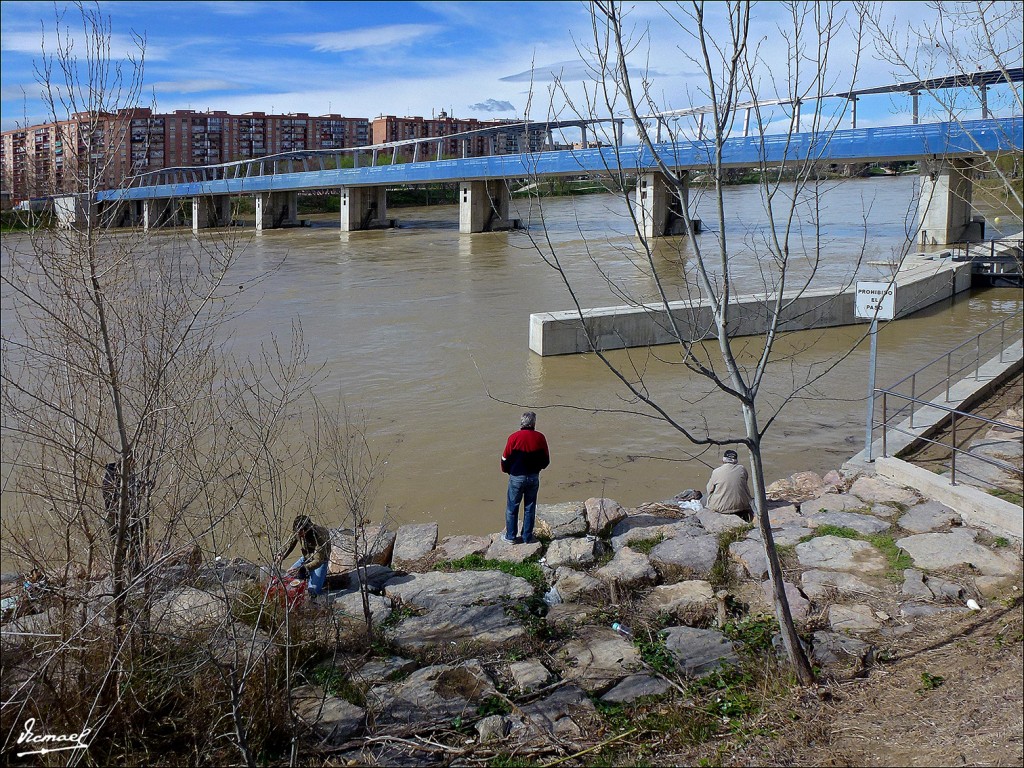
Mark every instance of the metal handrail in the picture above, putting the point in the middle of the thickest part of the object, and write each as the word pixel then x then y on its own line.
pixel 954 414
pixel 972 362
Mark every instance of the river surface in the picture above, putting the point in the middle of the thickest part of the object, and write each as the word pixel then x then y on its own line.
pixel 425 331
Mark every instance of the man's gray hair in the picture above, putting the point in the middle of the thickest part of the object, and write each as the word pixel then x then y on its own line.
pixel 529 420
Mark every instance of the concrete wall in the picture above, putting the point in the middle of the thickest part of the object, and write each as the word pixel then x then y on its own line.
pixel 562 333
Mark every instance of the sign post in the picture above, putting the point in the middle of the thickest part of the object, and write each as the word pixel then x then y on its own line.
pixel 875 301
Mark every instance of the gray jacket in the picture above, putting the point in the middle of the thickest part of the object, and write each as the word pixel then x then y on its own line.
pixel 727 490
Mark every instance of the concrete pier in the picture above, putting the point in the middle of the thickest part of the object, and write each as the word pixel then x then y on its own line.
pixel 277 209
pixel 484 207
pixel 364 208
pixel 922 282
pixel 160 212
pixel 944 210
pixel 660 206
pixel 210 211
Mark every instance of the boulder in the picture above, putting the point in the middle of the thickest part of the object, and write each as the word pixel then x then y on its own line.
pixel 375 546
pixel 450 625
pixel 817 584
pixel 652 527
pixel 437 692
pixel 798 603
pixel 787 534
pixel 866 524
pixel 573 584
pixel 689 602
pixel 832 502
pixel 629 569
pixel 852 618
pixel 699 652
pixel 688 556
pixel 458 547
pixel 937 551
pixel 437 589
pixel 493 728
pixel 840 554
pixel 377 671
pixel 558 521
pixel 598 658
pixel 875 489
pixel 840 653
pixel 635 687
pixel 579 552
pixel 716 523
pixel 750 554
pixel 349 607
pixel 510 553
pixel 413 543
pixel 602 514
pixel 928 516
pixel 529 675
pixel 334 720
pixel 558 713
pixel 186 610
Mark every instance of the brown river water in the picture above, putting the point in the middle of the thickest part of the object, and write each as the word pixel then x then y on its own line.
pixel 425 331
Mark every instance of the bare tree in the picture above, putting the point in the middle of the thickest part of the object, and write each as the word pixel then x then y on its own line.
pixel 726 45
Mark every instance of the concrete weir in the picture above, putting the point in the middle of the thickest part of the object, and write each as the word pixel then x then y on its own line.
pixel 922 281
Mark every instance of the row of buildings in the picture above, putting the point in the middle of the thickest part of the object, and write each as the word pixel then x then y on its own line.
pixel 48 159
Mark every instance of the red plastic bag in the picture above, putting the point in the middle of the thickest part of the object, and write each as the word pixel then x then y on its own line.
pixel 287 590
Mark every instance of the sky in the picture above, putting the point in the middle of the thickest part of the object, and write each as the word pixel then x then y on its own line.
pixel 483 60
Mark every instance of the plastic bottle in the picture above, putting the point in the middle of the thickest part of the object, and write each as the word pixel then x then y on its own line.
pixel 622 629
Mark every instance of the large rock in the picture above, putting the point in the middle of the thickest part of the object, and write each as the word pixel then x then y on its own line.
pixel 818 584
pixel 572 584
pixel 432 693
pixel 787 534
pixel 635 687
pixel 629 569
pixel 688 556
pixel 377 671
pixel 716 523
pixel 558 521
pixel 839 554
pixel 852 618
pixel 578 552
pixel 840 653
pixel 876 490
pixel 799 487
pixel 529 675
pixel 937 551
pixel 334 720
pixel 699 652
pixel 688 602
pixel 928 516
pixel 374 546
pixel 750 554
pixel 349 606
pixel 458 547
pixel 598 658
pixel 558 713
pixel 602 514
pixel 646 527
pixel 866 524
pixel 831 502
pixel 435 589
pixel 448 625
pixel 186 610
pixel 511 553
pixel 413 543
pixel 798 603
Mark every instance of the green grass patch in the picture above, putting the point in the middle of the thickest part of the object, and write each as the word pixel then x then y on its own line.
pixel 646 545
pixel 754 632
pixel 1001 541
pixel 529 570
pixel 1010 496
pixel 334 682
pixel 897 559
pixel 832 530
pixel 719 575
pixel 656 654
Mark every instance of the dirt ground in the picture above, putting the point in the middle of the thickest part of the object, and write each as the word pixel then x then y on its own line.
pixel 951 695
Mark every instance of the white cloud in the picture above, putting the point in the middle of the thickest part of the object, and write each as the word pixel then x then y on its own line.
pixel 193 86
pixel 359 39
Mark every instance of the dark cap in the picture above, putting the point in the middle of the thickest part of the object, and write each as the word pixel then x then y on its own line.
pixel 730 455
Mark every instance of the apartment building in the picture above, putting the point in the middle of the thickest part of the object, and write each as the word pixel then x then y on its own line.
pixel 47 159
pixel 487 137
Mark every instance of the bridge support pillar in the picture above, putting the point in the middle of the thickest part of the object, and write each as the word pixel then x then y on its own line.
pixel 162 212
pixel 277 209
pixel 210 211
pixel 659 206
pixel 364 208
pixel 944 209
pixel 484 207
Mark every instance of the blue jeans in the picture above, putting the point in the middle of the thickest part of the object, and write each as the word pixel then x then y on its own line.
pixel 317 577
pixel 521 488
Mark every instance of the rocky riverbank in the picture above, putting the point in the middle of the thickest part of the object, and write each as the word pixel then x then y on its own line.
pixel 508 650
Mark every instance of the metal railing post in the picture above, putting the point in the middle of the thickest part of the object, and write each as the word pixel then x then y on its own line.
pixel 913 397
pixel 952 452
pixel 949 356
pixel 885 425
pixel 977 361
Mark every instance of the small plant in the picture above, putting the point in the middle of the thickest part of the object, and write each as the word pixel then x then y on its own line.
pixel 832 530
pixel 930 682
pixel 754 632
pixel 1001 541
pixel 528 570
pixel 645 546
pixel 656 654
pixel 334 682
pixel 493 705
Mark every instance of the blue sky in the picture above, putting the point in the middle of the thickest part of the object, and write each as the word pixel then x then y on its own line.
pixel 363 59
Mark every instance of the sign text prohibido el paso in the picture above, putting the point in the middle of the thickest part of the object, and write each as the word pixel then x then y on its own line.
pixel 875 301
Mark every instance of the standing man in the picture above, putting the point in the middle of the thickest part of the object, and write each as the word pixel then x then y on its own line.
pixel 315 544
pixel 727 489
pixel 525 455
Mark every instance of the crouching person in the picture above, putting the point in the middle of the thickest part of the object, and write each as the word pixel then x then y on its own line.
pixel 315 545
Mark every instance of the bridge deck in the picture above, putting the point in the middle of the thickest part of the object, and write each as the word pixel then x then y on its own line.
pixel 887 144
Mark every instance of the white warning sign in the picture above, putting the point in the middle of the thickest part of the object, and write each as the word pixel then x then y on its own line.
pixel 875 301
